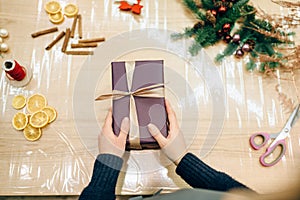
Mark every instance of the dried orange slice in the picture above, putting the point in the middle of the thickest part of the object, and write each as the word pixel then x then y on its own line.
pixel 36 102
pixel 56 18
pixel 51 112
pixel 31 133
pixel 71 10
pixel 52 7
pixel 18 102
pixel 39 119
pixel 19 121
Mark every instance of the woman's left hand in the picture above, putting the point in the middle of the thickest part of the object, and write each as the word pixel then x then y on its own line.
pixel 108 142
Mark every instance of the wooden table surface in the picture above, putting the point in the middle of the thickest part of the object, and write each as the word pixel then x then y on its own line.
pixel 61 162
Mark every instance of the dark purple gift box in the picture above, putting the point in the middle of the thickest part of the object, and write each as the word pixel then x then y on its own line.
pixel 148 109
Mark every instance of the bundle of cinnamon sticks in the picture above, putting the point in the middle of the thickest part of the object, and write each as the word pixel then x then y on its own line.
pixel 70 33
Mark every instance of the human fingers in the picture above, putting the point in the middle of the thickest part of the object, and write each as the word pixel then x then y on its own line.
pixel 107 126
pixel 125 125
pixel 155 132
pixel 108 119
pixel 171 116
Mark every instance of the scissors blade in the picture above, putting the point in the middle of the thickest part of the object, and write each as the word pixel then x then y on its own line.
pixel 297 116
pixel 287 128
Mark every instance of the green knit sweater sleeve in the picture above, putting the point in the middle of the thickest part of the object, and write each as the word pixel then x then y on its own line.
pixel 104 179
pixel 199 175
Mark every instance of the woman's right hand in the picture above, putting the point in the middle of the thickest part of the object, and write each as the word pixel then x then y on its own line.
pixel 174 145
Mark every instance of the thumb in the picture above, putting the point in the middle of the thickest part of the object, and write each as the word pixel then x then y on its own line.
pixel 155 132
pixel 124 129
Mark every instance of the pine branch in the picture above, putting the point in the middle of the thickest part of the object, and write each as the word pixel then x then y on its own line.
pixel 257 30
pixel 229 50
pixel 251 65
pixel 235 12
pixel 239 4
pixel 207 4
pixel 206 36
pixel 195 48
pixel 192 6
pixel 188 32
pixel 219 58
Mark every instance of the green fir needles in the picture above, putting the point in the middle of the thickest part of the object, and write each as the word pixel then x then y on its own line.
pixel 245 30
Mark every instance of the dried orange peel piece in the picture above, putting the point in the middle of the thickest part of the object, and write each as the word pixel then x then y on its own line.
pixel 52 7
pixel 71 10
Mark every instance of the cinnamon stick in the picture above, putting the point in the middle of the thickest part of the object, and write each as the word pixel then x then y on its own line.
pixel 66 41
pixel 79 26
pixel 73 27
pixel 92 40
pixel 84 45
pixel 61 35
pixel 79 52
pixel 43 32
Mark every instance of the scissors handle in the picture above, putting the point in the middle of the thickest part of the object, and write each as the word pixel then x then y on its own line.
pixel 270 150
pixel 264 136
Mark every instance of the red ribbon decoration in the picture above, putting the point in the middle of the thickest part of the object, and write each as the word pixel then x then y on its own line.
pixel 135 8
pixel 125 6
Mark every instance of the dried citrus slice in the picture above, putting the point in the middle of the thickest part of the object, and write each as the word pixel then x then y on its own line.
pixel 19 121
pixel 18 102
pixel 36 102
pixel 70 10
pixel 39 119
pixel 51 112
pixel 56 18
pixel 52 7
pixel 31 133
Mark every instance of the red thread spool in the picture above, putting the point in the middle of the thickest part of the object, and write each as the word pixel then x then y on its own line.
pixel 14 70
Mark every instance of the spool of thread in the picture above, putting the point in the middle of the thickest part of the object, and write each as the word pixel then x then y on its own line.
pixel 14 70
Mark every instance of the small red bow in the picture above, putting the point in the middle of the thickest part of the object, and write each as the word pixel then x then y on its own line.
pixel 125 6
pixel 135 8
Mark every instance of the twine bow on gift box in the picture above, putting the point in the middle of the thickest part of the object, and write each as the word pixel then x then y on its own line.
pixel 152 91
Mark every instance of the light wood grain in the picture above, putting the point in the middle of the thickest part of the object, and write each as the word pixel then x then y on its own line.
pixel 59 162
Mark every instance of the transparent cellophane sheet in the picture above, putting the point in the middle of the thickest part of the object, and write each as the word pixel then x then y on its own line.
pixel 61 162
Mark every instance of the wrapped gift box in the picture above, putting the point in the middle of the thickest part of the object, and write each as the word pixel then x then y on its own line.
pixel 141 85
